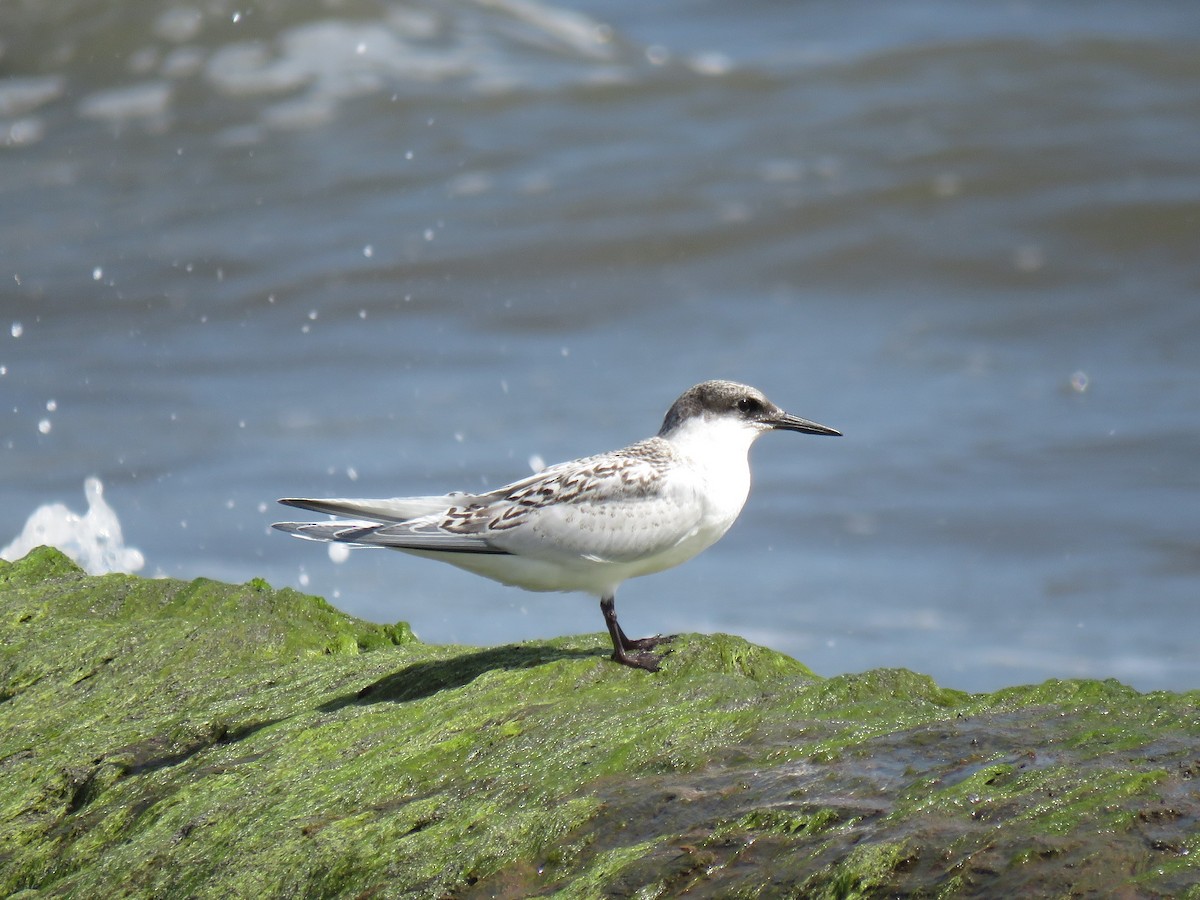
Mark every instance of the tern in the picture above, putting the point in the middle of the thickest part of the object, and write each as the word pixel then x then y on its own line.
pixel 590 524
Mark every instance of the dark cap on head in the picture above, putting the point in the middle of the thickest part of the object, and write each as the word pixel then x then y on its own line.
pixel 728 398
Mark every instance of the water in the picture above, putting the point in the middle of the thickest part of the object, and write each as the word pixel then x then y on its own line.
pixel 258 250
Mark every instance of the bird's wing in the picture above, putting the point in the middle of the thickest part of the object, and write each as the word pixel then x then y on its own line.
pixel 400 536
pixel 395 509
pixel 398 522
pixel 619 507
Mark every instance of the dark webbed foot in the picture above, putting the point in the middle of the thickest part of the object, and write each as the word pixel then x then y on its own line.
pixel 646 643
pixel 647 661
pixel 622 644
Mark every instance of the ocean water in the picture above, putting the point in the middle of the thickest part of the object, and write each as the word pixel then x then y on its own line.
pixel 255 250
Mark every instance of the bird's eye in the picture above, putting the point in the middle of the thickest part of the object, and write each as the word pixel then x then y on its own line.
pixel 749 405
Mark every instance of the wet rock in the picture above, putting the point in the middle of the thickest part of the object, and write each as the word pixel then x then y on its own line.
pixel 167 738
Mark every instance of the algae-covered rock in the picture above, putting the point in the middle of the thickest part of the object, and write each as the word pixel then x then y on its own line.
pixel 169 739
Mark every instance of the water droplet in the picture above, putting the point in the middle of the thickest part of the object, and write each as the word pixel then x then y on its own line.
pixel 711 63
pixel 44 426
pixel 1029 258
pixel 657 54
pixel 51 405
pixel 97 273
pixel 947 184
pixel 17 329
pixel 368 251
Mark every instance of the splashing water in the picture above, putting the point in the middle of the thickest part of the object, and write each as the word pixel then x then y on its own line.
pixel 93 540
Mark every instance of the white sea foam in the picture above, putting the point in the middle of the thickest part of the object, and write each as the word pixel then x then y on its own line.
pixel 314 66
pixel 93 540
pixel 19 96
pixel 147 100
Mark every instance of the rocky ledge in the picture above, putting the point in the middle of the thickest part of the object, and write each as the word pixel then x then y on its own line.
pixel 162 738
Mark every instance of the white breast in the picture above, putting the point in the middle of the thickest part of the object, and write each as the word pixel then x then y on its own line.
pixel 718 450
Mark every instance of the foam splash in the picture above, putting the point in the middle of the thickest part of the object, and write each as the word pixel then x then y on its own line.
pixel 93 540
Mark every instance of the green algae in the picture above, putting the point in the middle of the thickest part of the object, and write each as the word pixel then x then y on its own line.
pixel 166 738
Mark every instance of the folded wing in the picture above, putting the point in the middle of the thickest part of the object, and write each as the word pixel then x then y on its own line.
pixel 395 509
pixel 617 507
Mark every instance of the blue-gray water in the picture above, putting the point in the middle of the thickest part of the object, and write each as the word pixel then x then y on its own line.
pixel 254 250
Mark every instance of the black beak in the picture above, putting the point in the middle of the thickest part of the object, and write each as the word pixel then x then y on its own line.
pixel 787 422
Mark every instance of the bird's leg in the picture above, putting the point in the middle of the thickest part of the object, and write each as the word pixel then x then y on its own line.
pixel 622 644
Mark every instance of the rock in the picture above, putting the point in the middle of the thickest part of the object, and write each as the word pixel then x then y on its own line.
pixel 166 738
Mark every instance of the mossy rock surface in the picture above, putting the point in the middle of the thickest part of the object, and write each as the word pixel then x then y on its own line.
pixel 161 738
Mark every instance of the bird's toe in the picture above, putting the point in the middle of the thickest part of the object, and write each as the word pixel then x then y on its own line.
pixel 647 661
pixel 649 643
